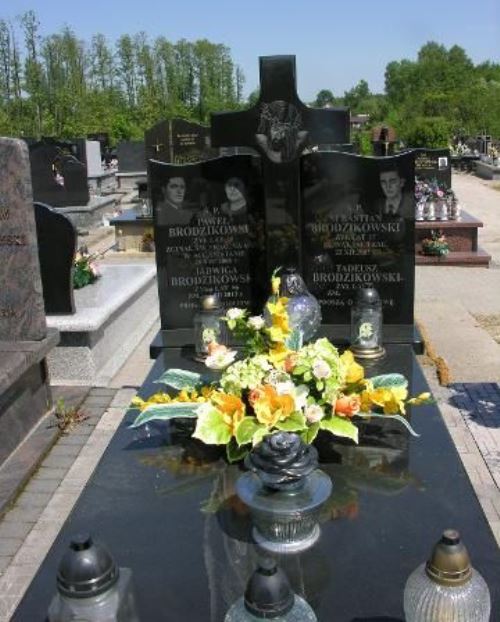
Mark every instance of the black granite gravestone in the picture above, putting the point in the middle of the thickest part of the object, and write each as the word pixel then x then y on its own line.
pixel 57 240
pixel 131 156
pixel 433 164
pixel 179 142
pixel 280 127
pixel 68 146
pixel 209 235
pixel 358 231
pixel 59 179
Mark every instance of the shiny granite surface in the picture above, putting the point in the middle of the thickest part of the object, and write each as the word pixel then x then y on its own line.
pixel 166 508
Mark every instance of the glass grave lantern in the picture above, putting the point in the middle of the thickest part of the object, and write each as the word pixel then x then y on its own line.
pixel 304 311
pixel 91 587
pixel 268 595
pixel 284 491
pixel 446 588
pixel 209 326
pixel 366 325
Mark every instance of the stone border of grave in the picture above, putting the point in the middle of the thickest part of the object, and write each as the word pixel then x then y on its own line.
pixel 112 316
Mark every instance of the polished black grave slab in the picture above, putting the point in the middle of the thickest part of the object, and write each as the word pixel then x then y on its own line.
pixel 166 507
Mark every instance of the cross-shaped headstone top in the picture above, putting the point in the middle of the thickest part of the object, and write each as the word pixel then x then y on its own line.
pixel 280 125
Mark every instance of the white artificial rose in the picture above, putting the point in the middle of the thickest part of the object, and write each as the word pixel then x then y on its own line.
pixel 234 313
pixel 220 359
pixel 314 413
pixel 321 369
pixel 256 322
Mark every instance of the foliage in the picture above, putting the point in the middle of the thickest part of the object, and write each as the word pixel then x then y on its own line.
pixel 363 142
pixel 436 245
pixel 68 417
pixel 85 270
pixel 60 85
pixel 276 387
pixel 430 132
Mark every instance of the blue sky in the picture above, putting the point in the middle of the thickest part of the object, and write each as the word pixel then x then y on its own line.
pixel 336 43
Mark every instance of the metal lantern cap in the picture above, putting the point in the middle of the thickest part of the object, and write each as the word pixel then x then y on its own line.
pixel 367 296
pixel 449 564
pixel 86 569
pixel 211 302
pixel 268 593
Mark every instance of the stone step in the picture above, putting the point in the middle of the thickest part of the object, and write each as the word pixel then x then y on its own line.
pixel 473 259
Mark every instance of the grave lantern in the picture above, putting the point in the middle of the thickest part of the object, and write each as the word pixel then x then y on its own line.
pixel 91 587
pixel 284 490
pixel 209 326
pixel 268 595
pixel 366 325
pixel 447 587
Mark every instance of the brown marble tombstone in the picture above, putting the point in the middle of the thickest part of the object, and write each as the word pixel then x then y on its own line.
pixel 25 341
pixel 22 316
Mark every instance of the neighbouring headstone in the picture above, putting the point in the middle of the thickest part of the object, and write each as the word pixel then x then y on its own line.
pixel 179 142
pixel 209 235
pixel 59 178
pixel 68 146
pixel 383 140
pixel 358 228
pixel 21 300
pixel 94 158
pixel 433 164
pixel 57 239
pixel 279 126
pixel 131 156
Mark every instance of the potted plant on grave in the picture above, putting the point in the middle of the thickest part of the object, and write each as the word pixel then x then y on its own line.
pixel 278 385
pixel 437 245
pixel 85 269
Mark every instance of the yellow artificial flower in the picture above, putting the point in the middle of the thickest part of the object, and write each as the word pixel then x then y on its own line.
pixel 278 354
pixel 280 327
pixel 270 407
pixel 231 408
pixel 423 398
pixel 355 372
pixel 275 285
pixel 390 399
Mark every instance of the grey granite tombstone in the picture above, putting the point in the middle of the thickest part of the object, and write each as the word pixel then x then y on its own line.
pixel 21 299
pixel 131 156
pixel 94 158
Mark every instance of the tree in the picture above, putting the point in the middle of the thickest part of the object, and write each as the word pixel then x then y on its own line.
pixel 324 98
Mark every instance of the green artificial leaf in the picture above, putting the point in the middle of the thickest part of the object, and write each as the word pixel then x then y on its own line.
pixel 320 385
pixel 389 380
pixel 340 427
pixel 259 435
pixel 163 412
pixel 211 428
pixel 310 433
pixel 295 340
pixel 246 429
pixel 180 379
pixel 299 370
pixel 399 418
pixel 308 376
pixel 234 452
pixel 294 423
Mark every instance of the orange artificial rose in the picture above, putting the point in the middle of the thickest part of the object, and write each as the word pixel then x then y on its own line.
pixel 231 407
pixel 290 362
pixel 347 405
pixel 270 407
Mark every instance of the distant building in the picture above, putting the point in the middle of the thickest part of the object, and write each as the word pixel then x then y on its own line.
pixel 358 121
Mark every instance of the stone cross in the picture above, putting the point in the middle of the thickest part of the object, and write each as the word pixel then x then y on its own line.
pixel 22 316
pixel 280 126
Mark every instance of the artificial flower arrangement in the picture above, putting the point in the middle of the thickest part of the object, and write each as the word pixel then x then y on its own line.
pixel 280 384
pixel 85 270
pixel 436 245
pixel 432 190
